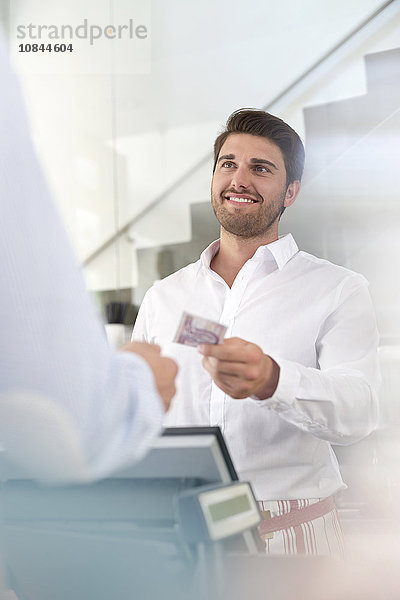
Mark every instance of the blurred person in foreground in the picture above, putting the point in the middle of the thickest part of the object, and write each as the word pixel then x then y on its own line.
pixel 52 345
pixel 297 370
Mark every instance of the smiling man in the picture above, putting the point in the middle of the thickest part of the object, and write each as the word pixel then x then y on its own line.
pixel 298 368
pixel 248 193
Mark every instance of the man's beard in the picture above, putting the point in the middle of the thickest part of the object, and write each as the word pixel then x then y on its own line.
pixel 248 225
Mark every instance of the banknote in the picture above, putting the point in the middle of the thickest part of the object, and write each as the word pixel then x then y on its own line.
pixel 194 330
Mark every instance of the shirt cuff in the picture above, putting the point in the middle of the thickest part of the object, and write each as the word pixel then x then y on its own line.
pixel 286 391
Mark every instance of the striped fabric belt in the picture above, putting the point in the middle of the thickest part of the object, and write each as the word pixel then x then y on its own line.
pixel 297 516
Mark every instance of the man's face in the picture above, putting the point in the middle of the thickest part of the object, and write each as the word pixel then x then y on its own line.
pixel 248 189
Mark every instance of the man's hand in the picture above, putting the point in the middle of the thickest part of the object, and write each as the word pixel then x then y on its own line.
pixel 240 368
pixel 164 369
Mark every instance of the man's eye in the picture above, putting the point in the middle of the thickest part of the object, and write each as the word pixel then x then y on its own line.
pixel 228 164
pixel 262 169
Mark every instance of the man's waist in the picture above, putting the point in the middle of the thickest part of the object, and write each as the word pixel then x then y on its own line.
pixel 282 514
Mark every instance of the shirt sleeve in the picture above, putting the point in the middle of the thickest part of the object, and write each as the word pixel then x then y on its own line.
pixel 52 343
pixel 337 401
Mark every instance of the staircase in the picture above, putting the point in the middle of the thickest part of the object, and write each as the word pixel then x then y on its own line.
pixel 333 128
pixel 350 191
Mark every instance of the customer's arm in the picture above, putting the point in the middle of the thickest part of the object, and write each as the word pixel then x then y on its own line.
pixel 51 341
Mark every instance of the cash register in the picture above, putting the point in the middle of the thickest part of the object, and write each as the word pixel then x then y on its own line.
pixel 161 528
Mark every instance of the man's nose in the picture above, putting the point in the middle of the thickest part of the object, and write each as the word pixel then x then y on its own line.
pixel 240 178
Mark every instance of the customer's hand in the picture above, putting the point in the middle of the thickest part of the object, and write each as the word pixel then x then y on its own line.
pixel 164 369
pixel 240 368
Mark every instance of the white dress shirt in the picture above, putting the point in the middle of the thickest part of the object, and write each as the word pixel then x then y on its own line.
pixel 317 322
pixel 52 344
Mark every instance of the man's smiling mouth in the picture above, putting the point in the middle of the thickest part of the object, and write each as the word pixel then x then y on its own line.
pixel 240 199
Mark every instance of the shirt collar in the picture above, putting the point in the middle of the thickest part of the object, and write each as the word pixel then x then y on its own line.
pixel 208 254
pixel 282 250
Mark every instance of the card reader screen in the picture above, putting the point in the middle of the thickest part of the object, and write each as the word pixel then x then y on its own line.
pixel 229 508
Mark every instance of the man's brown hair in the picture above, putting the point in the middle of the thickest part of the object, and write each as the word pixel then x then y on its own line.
pixel 263 124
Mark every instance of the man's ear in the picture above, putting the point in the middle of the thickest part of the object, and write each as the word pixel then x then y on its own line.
pixel 291 193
